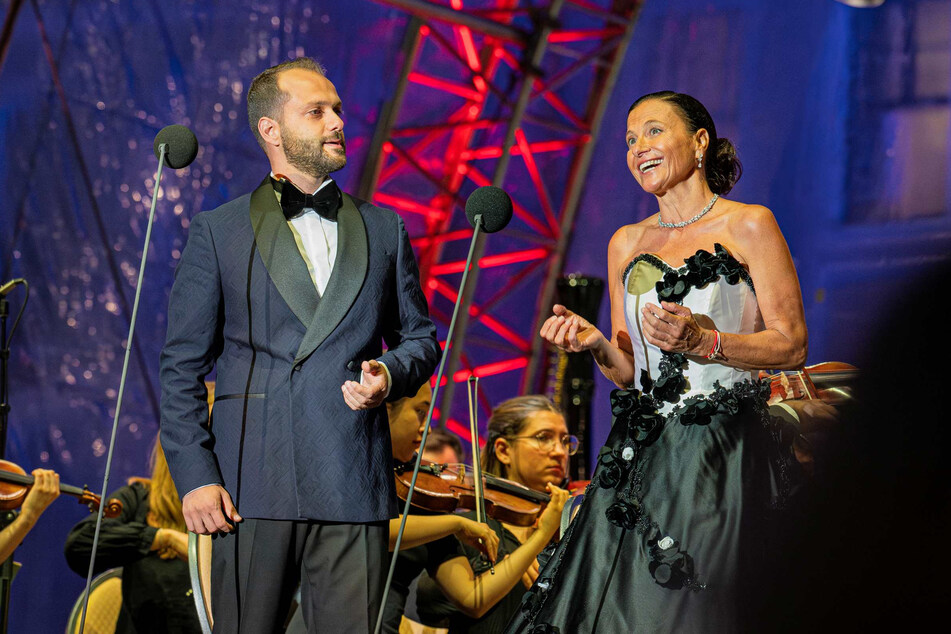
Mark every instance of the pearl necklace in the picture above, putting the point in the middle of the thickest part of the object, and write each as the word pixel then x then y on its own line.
pixel 678 225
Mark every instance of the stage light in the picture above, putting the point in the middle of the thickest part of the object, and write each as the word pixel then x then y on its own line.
pixel 862 4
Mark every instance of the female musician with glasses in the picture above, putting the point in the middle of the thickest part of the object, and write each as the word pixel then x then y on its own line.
pixel 528 443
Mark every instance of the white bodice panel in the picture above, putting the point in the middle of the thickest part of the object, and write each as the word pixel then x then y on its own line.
pixel 729 308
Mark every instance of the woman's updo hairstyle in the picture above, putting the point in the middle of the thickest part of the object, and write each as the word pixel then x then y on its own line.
pixel 723 169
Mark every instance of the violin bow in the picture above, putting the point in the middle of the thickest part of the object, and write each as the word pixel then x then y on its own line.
pixel 472 390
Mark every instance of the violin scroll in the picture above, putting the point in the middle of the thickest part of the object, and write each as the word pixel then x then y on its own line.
pixel 112 509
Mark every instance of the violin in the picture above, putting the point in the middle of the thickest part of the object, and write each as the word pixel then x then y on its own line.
pixel 830 382
pixel 445 488
pixel 15 483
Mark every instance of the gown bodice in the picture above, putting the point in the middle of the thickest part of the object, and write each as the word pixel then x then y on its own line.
pixel 727 307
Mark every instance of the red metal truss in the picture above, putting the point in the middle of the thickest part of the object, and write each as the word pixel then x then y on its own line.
pixel 509 93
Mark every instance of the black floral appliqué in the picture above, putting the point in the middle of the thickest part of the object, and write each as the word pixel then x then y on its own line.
pixel 671 382
pixel 624 513
pixel 671 567
pixel 699 410
pixel 610 470
pixel 672 287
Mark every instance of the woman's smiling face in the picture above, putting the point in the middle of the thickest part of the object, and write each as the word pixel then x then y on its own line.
pixel 660 151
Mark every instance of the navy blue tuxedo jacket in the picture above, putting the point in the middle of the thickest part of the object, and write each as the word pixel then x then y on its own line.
pixel 281 440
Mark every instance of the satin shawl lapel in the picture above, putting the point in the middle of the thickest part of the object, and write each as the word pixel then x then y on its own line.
pixel 350 269
pixel 279 252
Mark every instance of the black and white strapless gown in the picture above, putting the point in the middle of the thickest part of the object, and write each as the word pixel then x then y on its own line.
pixel 685 506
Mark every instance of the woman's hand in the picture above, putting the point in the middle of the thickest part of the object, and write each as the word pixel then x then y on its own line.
pixel 550 520
pixel 673 328
pixel 45 489
pixel 570 332
pixel 171 544
pixel 478 536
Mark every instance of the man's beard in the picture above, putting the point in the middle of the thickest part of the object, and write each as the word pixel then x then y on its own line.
pixel 308 155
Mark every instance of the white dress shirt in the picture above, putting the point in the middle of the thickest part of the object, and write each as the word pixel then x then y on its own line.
pixel 318 238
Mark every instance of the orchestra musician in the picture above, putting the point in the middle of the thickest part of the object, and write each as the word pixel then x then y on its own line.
pixel 528 443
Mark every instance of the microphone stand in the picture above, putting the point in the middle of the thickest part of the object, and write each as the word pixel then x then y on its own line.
pixel 163 150
pixel 477 224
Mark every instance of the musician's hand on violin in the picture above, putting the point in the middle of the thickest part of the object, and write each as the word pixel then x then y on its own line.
pixel 550 520
pixel 478 536
pixel 170 544
pixel 673 328
pixel 570 332
pixel 45 489
pixel 209 510
pixel 371 390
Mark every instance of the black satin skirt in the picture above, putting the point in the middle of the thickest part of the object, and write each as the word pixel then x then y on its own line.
pixel 678 526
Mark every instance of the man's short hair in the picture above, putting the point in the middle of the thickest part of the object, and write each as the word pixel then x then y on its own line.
pixel 439 438
pixel 265 99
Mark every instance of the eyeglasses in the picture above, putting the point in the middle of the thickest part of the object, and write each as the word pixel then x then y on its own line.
pixel 545 441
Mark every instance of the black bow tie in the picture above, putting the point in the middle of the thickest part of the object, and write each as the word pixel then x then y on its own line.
pixel 325 202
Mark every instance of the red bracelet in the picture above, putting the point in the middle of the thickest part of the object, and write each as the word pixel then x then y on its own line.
pixel 715 350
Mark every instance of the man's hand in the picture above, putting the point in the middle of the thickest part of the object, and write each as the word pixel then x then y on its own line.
pixel 370 391
pixel 209 510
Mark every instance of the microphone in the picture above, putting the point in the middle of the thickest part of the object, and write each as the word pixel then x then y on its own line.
pixel 176 147
pixel 493 204
pixel 6 287
pixel 181 146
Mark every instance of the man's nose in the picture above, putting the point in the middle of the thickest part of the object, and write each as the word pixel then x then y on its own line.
pixel 334 122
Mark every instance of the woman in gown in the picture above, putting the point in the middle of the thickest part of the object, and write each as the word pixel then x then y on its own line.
pixel 687 502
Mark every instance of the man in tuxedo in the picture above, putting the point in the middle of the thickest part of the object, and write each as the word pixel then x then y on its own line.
pixel 290 297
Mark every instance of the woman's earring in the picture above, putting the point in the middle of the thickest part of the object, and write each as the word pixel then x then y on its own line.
pixel 700 161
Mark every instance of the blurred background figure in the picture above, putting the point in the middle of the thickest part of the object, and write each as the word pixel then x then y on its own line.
pixel 443 447
pixel 149 542
pixel 871 553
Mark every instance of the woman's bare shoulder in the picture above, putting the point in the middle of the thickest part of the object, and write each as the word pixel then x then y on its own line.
pixel 752 230
pixel 627 240
pixel 746 219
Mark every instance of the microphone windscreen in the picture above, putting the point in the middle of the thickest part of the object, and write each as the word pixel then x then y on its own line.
pixel 493 204
pixel 182 145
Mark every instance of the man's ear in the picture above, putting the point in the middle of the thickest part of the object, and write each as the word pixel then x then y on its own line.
pixel 270 131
